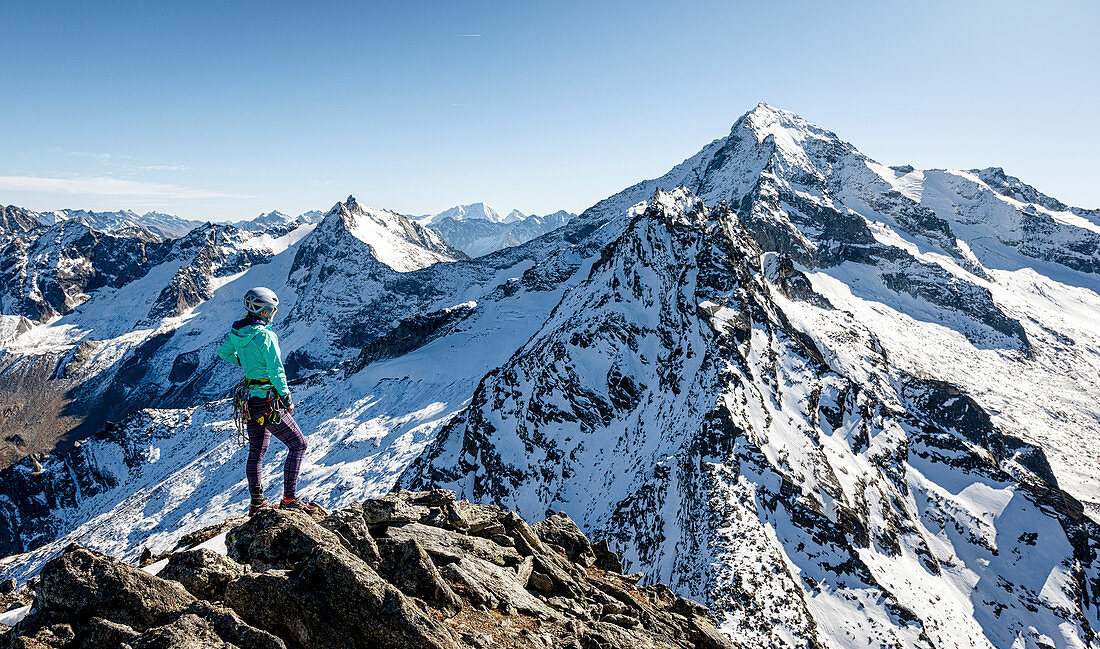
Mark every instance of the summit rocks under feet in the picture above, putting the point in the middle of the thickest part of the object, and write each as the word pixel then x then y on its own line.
pixel 411 569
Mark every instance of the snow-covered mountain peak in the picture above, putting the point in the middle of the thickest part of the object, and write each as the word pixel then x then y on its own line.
pixel 470 228
pixel 392 238
pixel 473 211
pixel 787 128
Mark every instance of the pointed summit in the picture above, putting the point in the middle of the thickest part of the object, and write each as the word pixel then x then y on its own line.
pixel 791 133
pixel 349 205
pixel 392 238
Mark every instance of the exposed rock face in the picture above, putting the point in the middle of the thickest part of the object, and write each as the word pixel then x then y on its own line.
pixel 16 219
pixel 50 271
pixel 669 404
pixel 215 252
pixel 436 573
pixel 32 488
pixel 412 333
pixel 82 583
pixel 203 572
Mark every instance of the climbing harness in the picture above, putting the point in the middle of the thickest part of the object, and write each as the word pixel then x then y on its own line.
pixel 243 411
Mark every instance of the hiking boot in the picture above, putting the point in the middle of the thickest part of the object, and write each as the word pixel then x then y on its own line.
pixel 255 507
pixel 298 504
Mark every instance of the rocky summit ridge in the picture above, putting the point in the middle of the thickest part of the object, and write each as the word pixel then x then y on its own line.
pixel 407 570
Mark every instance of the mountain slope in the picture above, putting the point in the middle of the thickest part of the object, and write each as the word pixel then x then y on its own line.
pixel 133 320
pixel 982 279
pixel 16 220
pixel 394 240
pixel 810 506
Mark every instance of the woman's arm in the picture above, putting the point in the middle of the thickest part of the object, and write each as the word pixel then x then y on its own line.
pixel 228 353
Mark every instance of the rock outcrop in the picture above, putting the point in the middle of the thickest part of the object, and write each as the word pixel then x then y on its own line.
pixel 408 570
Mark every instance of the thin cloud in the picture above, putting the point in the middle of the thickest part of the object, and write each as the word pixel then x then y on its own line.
pixel 468 35
pixel 104 157
pixel 123 161
pixel 103 186
pixel 164 167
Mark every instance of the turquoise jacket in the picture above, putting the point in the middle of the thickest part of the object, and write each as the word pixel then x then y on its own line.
pixel 255 347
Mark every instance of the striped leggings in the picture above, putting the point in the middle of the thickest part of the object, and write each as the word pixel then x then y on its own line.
pixel 287 432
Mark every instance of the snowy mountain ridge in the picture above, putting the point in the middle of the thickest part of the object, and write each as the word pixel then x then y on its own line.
pixel 473 211
pixel 276 219
pixel 164 225
pixel 479 237
pixel 792 374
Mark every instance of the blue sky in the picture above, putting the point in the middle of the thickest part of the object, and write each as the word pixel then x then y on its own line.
pixel 223 110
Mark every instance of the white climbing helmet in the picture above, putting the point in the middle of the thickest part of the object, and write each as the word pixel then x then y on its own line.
pixel 260 298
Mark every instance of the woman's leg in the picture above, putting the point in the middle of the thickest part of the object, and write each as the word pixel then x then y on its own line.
pixel 288 433
pixel 258 439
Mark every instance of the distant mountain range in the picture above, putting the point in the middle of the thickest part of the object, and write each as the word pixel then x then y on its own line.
pixel 477 229
pixel 471 212
pixel 843 403
pixel 474 229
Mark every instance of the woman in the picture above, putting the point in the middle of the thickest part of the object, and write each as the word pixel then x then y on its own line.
pixel 255 347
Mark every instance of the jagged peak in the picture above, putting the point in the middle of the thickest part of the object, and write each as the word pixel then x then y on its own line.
pixel 787 129
pixel 393 239
pixel 348 206
pixel 677 205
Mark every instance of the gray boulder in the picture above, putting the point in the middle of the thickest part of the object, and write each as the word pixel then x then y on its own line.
pixel 606 559
pixel 319 594
pixel 461 575
pixel 407 565
pixel 204 573
pixel 391 510
pixel 82 583
pixel 560 530
pixel 449 546
pixel 230 627
pixel 105 633
pixel 350 526
pixel 185 632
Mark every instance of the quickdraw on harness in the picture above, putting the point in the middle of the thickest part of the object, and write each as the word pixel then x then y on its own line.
pixel 243 411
